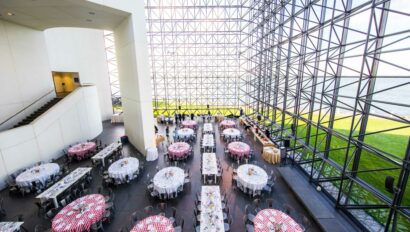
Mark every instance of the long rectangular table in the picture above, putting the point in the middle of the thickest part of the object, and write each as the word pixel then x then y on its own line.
pixel 208 128
pixel 211 209
pixel 208 142
pixel 106 152
pixel 209 166
pixel 54 191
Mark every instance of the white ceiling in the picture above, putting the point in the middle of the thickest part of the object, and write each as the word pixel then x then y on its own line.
pixel 43 14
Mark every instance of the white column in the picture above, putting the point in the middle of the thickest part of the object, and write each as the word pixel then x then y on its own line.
pixel 135 82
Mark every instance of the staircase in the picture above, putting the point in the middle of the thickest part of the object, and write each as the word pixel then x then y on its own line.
pixel 38 112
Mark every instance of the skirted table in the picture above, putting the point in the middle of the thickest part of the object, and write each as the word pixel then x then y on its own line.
pixel 168 180
pixel 239 149
pixel 231 133
pixel 122 168
pixel 80 214
pixel 82 150
pixel 156 223
pixel 268 220
pixel 252 177
pixel 189 124
pixel 40 173
pixel 185 133
pixel 227 124
pixel 271 155
pixel 179 149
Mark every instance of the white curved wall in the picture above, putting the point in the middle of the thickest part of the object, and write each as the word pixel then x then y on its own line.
pixel 75 118
pixel 82 50
pixel 25 73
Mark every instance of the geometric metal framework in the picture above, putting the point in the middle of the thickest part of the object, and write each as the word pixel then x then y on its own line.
pixel 194 54
pixel 109 42
pixel 333 76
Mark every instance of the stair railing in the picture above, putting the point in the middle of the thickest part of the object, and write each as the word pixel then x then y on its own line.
pixel 27 110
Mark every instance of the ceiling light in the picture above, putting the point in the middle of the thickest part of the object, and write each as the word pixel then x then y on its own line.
pixel 91 13
pixel 10 13
pixel 88 20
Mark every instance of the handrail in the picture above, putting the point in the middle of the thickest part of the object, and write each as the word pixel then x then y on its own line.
pixel 14 115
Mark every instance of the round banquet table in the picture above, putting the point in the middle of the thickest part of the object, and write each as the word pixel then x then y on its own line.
pixel 252 177
pixel 231 133
pixel 169 179
pixel 40 173
pixel 239 149
pixel 154 223
pixel 271 155
pixel 189 124
pixel 185 133
pixel 72 219
pixel 179 149
pixel 227 124
pixel 82 149
pixel 270 219
pixel 123 167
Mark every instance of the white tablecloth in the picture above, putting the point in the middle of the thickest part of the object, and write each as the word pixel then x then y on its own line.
pixel 209 164
pixel 10 226
pixel 252 177
pixel 107 151
pixel 231 133
pixel 211 209
pixel 208 140
pixel 117 118
pixel 54 191
pixel 169 179
pixel 185 132
pixel 208 128
pixel 123 167
pixel 38 173
pixel 152 153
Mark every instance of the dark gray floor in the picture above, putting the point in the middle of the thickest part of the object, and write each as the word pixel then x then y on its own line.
pixel 132 197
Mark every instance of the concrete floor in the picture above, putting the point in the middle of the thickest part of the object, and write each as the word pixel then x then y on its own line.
pixel 132 197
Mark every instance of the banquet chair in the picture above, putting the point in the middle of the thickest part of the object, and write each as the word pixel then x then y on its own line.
pixel 248 227
pixel 197 215
pixel 196 225
pixel 148 210
pixel 180 228
pixel 50 214
pixel 135 217
pixel 97 226
pixel 249 216
pixel 172 218
pixel 2 210
pixel 227 225
pixel 162 206
pixel 63 203
pixel 305 223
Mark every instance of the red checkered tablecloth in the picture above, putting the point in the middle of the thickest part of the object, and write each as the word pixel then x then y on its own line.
pixel 179 149
pixel 189 124
pixel 154 223
pixel 227 124
pixel 82 149
pixel 239 149
pixel 71 219
pixel 269 219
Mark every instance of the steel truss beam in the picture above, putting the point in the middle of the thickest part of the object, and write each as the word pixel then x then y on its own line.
pixel 313 65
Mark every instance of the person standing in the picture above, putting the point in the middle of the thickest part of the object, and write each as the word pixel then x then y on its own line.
pixel 167 131
pixel 156 129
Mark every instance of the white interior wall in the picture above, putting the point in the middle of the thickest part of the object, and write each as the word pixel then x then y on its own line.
pixel 83 51
pixel 25 73
pixel 75 118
